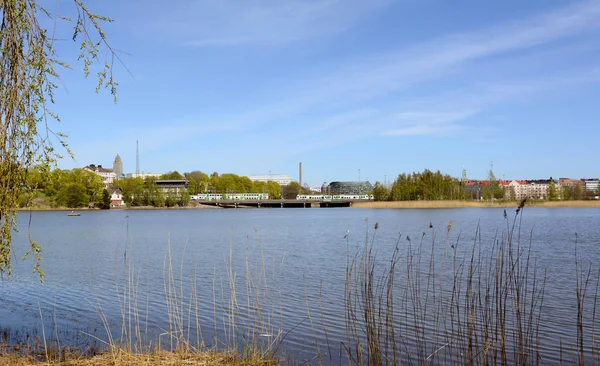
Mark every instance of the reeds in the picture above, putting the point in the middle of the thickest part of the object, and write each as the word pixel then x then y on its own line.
pixel 478 305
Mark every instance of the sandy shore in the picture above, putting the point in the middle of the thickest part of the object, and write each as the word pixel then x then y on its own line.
pixel 476 204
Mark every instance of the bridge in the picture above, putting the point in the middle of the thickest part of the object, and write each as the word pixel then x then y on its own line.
pixel 275 203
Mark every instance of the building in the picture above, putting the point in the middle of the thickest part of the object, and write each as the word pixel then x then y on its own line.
pixel 176 186
pixel 116 197
pixel 118 166
pixel 143 175
pixel 473 188
pixel 537 189
pixel 335 188
pixel 591 186
pixel 280 179
pixel 108 175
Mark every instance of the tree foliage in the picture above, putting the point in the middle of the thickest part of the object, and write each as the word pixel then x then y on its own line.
pixel 290 191
pixel 578 191
pixel 28 78
pixel 380 193
pixel 425 186
pixel 552 191
pixel 566 193
pixel 105 203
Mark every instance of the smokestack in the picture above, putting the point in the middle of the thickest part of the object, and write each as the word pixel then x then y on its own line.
pixel 300 169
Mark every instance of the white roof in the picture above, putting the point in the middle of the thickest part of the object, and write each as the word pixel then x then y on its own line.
pixel 271 177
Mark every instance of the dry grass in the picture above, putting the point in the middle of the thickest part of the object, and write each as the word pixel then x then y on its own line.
pixel 124 358
pixel 476 204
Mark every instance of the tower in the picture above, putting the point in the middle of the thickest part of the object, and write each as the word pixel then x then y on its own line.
pixel 118 166
pixel 464 175
pixel 300 173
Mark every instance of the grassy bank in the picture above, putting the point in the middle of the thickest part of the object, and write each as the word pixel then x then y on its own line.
pixel 476 204
pixel 125 359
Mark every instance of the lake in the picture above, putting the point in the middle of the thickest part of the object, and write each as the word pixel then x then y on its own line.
pixel 156 275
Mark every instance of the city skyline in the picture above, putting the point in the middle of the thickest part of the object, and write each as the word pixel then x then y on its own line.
pixel 386 181
pixel 384 86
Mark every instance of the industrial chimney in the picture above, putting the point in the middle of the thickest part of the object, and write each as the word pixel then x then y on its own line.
pixel 300 169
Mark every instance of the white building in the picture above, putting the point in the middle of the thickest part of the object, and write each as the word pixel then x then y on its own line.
pixel 143 175
pixel 591 186
pixel 530 189
pixel 281 179
pixel 116 197
pixel 107 174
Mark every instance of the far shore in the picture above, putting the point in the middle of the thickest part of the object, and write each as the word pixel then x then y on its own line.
pixel 476 204
pixel 197 207
pixel 372 204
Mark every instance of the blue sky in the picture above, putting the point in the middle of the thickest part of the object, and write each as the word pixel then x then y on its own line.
pixel 379 86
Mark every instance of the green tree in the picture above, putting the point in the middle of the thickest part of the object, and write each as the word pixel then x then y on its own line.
pixel 199 181
pixel 28 79
pixel 380 193
pixel 170 198
pixel 290 191
pixel 172 175
pixel 578 191
pixel 105 205
pixel 184 199
pixel 552 191
pixel 566 193
pixel 72 195
pixel 274 190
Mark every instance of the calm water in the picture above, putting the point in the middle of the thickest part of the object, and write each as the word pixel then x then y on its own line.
pixel 116 263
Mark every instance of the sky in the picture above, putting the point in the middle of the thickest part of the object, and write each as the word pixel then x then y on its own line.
pixel 353 89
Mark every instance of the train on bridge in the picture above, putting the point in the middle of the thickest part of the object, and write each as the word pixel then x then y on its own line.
pixel 335 197
pixel 229 197
pixel 265 197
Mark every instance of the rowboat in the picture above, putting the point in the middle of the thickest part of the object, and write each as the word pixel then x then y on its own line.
pixel 73 213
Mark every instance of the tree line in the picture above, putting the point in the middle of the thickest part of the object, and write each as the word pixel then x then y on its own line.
pixel 426 185
pixel 81 188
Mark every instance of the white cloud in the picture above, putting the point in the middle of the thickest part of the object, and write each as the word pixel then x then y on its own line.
pixel 362 94
pixel 433 117
pixel 423 130
pixel 381 75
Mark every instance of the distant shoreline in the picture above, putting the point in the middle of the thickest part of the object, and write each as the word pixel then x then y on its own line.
pixel 476 204
pixel 371 204
pixel 198 207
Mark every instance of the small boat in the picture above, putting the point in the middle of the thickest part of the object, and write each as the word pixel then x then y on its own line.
pixel 73 213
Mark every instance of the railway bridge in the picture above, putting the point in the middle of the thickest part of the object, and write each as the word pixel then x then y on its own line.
pixel 274 203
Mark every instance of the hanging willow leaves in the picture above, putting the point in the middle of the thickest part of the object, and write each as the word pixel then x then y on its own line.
pixel 28 79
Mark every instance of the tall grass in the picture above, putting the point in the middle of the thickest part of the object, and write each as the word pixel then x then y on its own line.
pixel 243 328
pixel 480 306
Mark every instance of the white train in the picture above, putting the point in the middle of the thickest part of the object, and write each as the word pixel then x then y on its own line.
pixel 336 197
pixel 229 197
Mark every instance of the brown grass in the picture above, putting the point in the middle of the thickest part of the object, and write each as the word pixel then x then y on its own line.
pixel 123 358
pixel 476 204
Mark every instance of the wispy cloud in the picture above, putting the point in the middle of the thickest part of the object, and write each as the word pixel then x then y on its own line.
pixel 264 22
pixel 367 95
pixel 383 74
